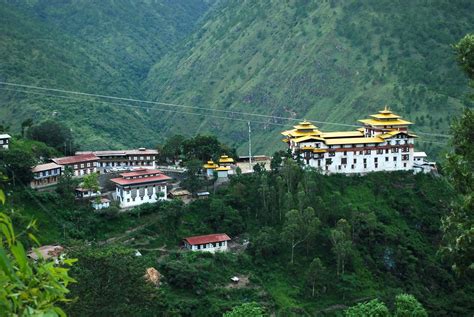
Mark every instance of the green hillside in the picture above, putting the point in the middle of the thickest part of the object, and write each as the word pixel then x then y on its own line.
pixel 332 61
pixel 106 47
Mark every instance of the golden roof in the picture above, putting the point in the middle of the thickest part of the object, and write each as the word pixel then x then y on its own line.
pixel 307 147
pixel 342 134
pixel 226 159
pixel 211 165
pixel 319 151
pixel 304 128
pixel 305 125
pixel 354 141
pixel 223 168
pixel 307 138
pixel 385 117
pixel 377 122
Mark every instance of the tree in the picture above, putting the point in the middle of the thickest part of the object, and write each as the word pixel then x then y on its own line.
pixel 173 148
pixel 458 226
pixel 192 182
pixel 465 54
pixel 67 185
pixel 18 163
pixel 374 308
pixel 54 134
pixel 246 310
pixel 316 272
pixel 300 226
pixel 26 124
pixel 91 182
pixel 265 245
pixel 342 244
pixel 406 305
pixel 29 288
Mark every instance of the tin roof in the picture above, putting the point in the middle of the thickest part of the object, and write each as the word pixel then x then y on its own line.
pixel 67 160
pixel 209 238
pixel 45 167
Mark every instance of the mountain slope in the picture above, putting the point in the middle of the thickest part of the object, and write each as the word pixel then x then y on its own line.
pixel 329 61
pixel 105 47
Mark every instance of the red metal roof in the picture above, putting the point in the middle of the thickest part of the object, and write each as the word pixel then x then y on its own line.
pixel 141 172
pixel 144 180
pixel 67 160
pixel 209 238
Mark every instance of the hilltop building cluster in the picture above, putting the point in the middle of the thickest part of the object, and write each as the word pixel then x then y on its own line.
pixel 384 143
pixel 144 184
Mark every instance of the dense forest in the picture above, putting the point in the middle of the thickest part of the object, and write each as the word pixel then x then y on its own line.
pixel 327 61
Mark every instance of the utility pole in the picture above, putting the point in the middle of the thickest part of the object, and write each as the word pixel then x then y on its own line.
pixel 250 146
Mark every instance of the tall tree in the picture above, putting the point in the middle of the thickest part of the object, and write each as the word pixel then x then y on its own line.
pixel 458 226
pixel 67 185
pixel 25 125
pixel 341 244
pixel 316 273
pixel 299 227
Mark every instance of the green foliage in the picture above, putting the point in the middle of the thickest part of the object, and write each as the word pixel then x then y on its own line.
pixel 246 310
pixel 392 221
pixel 18 162
pixel 105 48
pixel 55 135
pixel 91 182
pixel 374 308
pixel 29 288
pixel 406 305
pixel 67 185
pixel 465 54
pixel 111 283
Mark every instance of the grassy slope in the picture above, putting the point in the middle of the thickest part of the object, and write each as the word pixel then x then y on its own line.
pixel 327 61
pixel 400 256
pixel 103 48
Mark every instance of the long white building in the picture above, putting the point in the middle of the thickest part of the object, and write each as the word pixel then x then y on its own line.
pixel 139 158
pixel 140 186
pixel 382 144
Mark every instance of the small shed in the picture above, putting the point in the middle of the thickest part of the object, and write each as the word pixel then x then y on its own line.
pixel 100 203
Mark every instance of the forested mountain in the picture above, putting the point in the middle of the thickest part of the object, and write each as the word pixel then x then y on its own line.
pixel 102 47
pixel 324 60
pixel 332 61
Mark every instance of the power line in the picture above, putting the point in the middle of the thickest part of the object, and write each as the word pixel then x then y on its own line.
pixel 186 106
pixel 142 107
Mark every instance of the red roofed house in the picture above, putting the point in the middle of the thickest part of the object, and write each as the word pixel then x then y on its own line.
pixel 140 186
pixel 209 243
pixel 45 175
pixel 80 164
